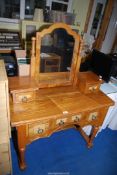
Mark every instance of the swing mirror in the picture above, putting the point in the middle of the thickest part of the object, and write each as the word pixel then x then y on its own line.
pixel 56 53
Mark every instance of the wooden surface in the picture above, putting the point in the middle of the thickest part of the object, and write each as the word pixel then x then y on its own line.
pixel 71 102
pixel 36 47
pixel 22 83
pixel 5 130
pixel 6 51
pixel 56 109
pixel 63 100
pixel 88 82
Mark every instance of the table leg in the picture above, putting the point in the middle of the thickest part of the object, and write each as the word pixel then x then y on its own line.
pixel 92 136
pixel 88 139
pixel 21 138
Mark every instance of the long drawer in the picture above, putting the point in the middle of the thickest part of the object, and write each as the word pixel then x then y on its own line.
pixel 46 127
pixel 39 129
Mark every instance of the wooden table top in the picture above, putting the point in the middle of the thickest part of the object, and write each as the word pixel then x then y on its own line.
pixel 54 102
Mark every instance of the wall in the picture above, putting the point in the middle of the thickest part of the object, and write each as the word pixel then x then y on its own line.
pixel 80 7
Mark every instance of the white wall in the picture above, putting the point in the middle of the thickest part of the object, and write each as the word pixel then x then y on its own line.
pixel 80 7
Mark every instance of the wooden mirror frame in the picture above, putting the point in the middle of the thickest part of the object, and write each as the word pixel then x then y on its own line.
pixel 53 79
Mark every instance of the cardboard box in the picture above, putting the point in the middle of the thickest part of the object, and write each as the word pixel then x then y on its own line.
pixel 20 53
pixel 23 69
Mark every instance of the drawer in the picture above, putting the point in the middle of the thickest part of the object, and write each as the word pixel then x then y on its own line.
pixel 76 117
pixel 88 82
pixel 61 121
pixel 23 96
pixel 38 129
pixel 93 116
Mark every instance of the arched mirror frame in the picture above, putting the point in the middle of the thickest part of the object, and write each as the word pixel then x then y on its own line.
pixel 53 79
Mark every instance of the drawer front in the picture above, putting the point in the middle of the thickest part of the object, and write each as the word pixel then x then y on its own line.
pixel 93 116
pixel 38 129
pixel 61 121
pixel 68 119
pixel 92 88
pixel 76 117
pixel 23 97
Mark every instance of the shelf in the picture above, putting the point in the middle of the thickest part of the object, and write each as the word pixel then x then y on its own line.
pixel 9 40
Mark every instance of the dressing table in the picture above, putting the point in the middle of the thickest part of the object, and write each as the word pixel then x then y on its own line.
pixel 46 102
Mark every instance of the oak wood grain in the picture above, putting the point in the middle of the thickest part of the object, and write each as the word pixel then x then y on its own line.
pixel 62 100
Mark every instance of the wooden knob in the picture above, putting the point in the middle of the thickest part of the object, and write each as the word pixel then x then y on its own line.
pixel 40 131
pixel 24 99
pixel 61 122
pixel 76 119
pixel 94 117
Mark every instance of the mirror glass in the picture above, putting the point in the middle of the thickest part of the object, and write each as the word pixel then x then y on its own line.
pixel 56 51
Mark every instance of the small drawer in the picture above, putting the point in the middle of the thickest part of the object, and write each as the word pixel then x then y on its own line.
pixel 23 97
pixel 88 82
pixel 38 129
pixel 76 118
pixel 93 116
pixel 61 121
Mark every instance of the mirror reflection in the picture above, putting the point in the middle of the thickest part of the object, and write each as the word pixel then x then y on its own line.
pixel 56 51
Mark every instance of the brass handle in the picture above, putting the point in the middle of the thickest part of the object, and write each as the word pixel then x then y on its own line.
pixel 40 131
pixel 94 117
pixel 24 99
pixel 95 87
pixel 76 119
pixel 61 122
pixel 91 88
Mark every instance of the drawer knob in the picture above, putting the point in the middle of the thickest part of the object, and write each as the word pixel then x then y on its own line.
pixel 76 119
pixel 94 117
pixel 40 131
pixel 61 122
pixel 24 99
pixel 93 88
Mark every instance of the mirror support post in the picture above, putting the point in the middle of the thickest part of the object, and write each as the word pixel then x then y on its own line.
pixel 79 55
pixel 32 66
